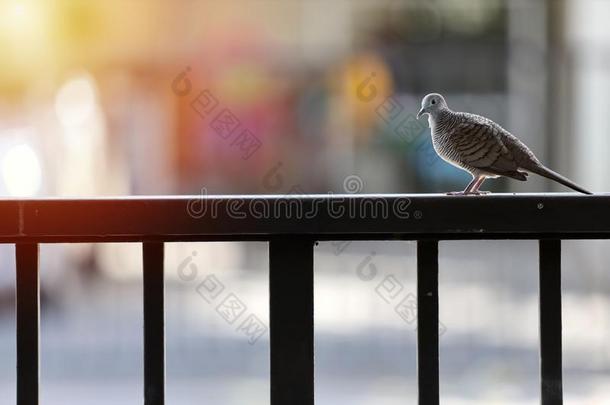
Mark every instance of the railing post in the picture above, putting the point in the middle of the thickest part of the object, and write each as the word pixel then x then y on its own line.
pixel 28 323
pixel 154 324
pixel 291 321
pixel 550 322
pixel 427 322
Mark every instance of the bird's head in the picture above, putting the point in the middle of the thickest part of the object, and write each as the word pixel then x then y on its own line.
pixel 431 104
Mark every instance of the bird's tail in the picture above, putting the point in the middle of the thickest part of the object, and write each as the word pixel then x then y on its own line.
pixel 549 174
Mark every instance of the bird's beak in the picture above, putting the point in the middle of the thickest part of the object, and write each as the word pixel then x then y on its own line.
pixel 420 113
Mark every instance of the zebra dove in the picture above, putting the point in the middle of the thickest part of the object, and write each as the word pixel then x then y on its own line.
pixel 481 147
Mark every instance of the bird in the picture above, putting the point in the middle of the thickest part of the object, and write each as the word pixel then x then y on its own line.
pixel 481 147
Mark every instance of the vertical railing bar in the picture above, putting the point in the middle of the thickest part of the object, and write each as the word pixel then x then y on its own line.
pixel 550 322
pixel 154 323
pixel 28 323
pixel 427 322
pixel 291 321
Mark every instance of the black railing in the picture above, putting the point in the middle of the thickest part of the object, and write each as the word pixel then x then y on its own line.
pixel 292 224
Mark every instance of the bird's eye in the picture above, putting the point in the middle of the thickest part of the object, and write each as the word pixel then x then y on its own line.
pixel 433 101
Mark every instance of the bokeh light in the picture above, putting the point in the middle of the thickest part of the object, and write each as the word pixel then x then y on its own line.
pixel 21 171
pixel 75 101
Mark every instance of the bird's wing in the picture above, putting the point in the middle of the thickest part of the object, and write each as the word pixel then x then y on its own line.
pixel 479 144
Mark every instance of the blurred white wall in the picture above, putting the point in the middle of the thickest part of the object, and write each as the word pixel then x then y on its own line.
pixel 589 41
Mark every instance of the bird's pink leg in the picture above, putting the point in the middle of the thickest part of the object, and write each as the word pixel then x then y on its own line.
pixel 475 188
pixel 466 190
pixel 472 188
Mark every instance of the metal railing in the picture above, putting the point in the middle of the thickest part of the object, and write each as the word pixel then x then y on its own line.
pixel 291 225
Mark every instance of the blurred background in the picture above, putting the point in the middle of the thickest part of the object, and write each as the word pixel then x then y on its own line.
pixel 295 97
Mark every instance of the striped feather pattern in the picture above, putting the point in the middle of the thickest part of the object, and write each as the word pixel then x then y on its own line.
pixel 477 144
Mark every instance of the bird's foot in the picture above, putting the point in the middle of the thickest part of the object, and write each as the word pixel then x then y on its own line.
pixel 478 192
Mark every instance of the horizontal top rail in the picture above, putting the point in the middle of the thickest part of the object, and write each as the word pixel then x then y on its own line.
pixel 323 217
